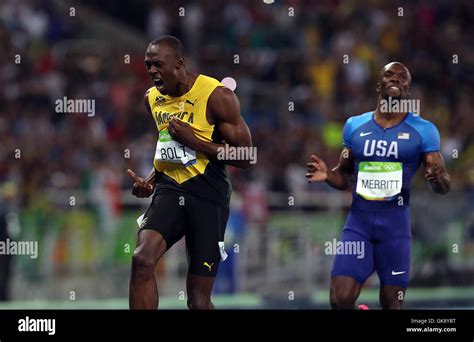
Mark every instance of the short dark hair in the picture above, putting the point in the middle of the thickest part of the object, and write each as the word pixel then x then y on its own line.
pixel 172 42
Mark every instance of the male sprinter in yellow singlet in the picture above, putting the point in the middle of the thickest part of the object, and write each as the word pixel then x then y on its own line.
pixel 195 116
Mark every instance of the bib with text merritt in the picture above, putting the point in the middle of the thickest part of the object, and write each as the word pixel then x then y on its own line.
pixel 379 181
pixel 171 151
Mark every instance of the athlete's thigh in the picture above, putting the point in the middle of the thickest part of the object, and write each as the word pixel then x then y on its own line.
pixel 150 245
pixel 166 216
pixel 354 256
pixel 206 224
pixel 392 261
pixel 393 250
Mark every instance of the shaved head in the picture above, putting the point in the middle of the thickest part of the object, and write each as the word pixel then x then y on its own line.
pixel 395 64
pixel 174 44
pixel 394 81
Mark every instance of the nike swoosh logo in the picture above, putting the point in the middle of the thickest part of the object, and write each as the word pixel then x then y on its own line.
pixel 397 273
pixel 362 134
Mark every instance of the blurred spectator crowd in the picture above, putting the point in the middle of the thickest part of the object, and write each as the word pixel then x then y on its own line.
pixel 302 67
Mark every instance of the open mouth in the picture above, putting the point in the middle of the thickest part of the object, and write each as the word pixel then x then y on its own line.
pixel 158 82
pixel 393 87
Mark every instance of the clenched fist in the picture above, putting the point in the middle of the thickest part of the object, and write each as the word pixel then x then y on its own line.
pixel 141 187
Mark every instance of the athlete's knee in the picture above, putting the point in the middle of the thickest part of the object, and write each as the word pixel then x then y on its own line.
pixel 391 303
pixel 391 297
pixel 342 299
pixel 143 266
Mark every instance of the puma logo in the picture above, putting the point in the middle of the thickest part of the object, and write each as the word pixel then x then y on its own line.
pixel 191 103
pixel 207 265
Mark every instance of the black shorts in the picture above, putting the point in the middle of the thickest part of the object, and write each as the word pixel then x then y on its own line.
pixel 202 222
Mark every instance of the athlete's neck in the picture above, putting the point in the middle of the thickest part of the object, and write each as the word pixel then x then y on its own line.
pixel 185 83
pixel 388 119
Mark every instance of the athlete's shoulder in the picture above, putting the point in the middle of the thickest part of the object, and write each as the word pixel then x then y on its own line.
pixel 219 92
pixel 427 130
pixel 421 125
pixel 208 80
pixel 358 120
pixel 352 124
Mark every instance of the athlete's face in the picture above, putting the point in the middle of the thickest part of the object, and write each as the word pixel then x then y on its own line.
pixel 162 65
pixel 394 81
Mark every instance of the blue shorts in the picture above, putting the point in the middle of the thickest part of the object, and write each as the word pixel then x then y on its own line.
pixel 385 238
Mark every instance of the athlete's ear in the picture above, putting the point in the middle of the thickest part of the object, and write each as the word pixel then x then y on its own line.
pixel 378 87
pixel 180 62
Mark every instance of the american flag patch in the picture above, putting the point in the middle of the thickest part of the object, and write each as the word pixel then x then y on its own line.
pixel 405 136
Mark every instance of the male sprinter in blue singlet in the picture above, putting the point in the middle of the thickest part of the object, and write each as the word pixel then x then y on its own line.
pixel 382 151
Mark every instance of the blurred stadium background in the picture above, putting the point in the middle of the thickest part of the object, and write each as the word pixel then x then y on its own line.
pixel 295 92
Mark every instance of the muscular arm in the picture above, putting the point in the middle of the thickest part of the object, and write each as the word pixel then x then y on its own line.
pixel 143 187
pixel 224 110
pixel 435 172
pixel 151 176
pixel 340 177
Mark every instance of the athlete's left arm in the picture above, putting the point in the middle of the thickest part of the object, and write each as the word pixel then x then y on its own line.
pixel 224 109
pixel 435 172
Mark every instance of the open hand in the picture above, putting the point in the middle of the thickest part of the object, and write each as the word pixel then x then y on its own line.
pixel 317 170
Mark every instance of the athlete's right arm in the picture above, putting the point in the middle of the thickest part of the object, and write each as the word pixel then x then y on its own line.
pixel 224 109
pixel 143 187
pixel 339 177
pixel 151 176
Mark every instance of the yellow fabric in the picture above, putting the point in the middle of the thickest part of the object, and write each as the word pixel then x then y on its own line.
pixel 190 108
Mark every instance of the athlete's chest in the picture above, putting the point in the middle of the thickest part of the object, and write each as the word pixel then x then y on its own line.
pixel 189 109
pixel 371 142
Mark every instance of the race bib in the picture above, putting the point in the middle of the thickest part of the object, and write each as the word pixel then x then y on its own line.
pixel 170 151
pixel 379 181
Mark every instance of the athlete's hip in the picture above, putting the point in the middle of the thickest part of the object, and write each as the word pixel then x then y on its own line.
pixel 380 224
